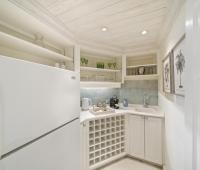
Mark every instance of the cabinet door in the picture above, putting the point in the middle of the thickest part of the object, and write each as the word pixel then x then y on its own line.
pixel 136 136
pixel 153 140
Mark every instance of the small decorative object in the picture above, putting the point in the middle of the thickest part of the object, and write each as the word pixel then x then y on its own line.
pixel 82 61
pixel 100 65
pixel 86 61
pixel 109 65
pixel 179 67
pixel 125 103
pixel 114 65
pixel 141 70
pixel 63 66
pixel 167 76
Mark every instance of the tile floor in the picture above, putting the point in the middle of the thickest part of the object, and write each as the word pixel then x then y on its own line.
pixel 129 164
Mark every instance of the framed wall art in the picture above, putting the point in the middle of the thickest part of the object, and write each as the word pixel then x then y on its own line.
pixel 167 74
pixel 178 57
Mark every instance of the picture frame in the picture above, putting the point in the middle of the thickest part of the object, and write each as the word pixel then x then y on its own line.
pixel 167 65
pixel 178 57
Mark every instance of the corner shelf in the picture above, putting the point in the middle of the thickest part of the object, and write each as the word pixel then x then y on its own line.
pixel 16 43
pixel 96 84
pixel 98 69
pixel 142 77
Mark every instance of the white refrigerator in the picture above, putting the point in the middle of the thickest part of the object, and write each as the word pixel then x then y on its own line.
pixel 39 117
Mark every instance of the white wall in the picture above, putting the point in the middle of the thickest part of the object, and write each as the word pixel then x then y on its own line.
pixel 192 117
pixel 173 106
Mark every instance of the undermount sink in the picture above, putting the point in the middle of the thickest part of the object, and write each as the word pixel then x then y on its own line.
pixel 145 109
pixel 100 110
pixel 141 109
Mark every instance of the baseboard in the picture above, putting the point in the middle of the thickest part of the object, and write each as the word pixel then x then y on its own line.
pixel 145 161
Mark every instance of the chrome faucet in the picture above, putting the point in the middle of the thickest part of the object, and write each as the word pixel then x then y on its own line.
pixel 145 100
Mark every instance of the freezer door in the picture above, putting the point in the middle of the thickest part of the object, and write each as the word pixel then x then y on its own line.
pixel 34 99
pixel 57 151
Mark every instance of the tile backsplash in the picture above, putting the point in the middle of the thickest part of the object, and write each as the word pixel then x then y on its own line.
pixel 135 90
pixel 131 90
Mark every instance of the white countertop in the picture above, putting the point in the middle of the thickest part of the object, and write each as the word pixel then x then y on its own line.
pixel 87 115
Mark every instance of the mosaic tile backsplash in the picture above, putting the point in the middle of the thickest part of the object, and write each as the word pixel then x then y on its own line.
pixel 133 91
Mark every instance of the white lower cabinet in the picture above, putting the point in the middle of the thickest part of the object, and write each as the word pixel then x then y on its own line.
pixel 106 139
pixel 145 138
pixel 153 140
pixel 136 136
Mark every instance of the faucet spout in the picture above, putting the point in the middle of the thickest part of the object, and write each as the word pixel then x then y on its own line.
pixel 145 100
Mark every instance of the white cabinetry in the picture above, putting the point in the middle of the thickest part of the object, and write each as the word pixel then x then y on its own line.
pixel 136 136
pixel 153 139
pixel 145 138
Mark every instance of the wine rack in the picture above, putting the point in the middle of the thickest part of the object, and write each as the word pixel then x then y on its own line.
pixel 106 138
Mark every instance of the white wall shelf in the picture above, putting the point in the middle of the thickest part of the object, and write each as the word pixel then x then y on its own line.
pixel 107 77
pixel 16 43
pixel 96 84
pixel 142 77
pixel 98 69
pixel 144 65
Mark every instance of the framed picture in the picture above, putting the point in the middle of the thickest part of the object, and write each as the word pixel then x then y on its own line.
pixel 179 67
pixel 167 74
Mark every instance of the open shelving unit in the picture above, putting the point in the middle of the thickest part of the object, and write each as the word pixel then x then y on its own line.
pixel 107 77
pixel 16 43
pixel 146 63
pixel 33 47
pixel 106 140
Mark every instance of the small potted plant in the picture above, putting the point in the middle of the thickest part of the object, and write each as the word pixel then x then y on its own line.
pixel 109 65
pixel 114 65
pixel 86 61
pixel 82 61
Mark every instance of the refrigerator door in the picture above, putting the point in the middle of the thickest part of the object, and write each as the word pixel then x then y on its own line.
pixel 57 151
pixel 34 99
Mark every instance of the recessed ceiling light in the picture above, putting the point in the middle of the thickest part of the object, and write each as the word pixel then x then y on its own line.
pixel 144 32
pixel 104 29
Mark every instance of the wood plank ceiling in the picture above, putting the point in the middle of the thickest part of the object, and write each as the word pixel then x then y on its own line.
pixel 125 19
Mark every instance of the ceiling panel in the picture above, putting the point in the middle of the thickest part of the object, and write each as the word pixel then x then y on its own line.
pixel 125 20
